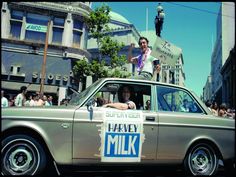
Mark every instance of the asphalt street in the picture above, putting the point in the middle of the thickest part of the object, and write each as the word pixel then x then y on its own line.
pixel 121 172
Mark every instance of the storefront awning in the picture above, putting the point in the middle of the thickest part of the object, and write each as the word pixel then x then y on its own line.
pixel 31 87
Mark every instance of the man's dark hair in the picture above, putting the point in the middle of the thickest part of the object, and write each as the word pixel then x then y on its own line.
pixel 208 103
pixel 23 88
pixel 141 38
pixel 120 91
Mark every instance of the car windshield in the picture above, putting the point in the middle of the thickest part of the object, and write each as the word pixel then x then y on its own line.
pixel 78 99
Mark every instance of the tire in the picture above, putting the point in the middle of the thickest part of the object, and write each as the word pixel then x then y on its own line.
pixel 201 160
pixel 22 155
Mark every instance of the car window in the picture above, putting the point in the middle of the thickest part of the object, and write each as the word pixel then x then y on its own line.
pixel 79 98
pixel 109 93
pixel 176 100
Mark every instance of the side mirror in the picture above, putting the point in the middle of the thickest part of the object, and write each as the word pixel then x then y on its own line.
pixel 90 108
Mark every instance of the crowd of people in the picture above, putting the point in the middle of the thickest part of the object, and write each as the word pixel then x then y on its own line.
pixel 222 110
pixel 26 99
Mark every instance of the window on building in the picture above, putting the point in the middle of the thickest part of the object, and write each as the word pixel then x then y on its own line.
pixel 77 33
pixel 58 27
pixel 15 69
pixel 36 19
pixel 16 24
pixel 78 25
pixel 86 40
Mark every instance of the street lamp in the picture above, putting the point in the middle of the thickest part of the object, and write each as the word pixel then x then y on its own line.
pixel 158 25
pixel 159 19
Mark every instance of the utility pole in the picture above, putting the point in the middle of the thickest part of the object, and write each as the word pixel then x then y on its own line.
pixel 44 60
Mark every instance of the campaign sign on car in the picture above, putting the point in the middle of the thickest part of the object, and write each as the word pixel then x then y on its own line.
pixel 122 136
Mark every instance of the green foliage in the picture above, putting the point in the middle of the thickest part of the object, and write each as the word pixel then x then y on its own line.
pixel 97 24
pixel 97 21
pixel 111 49
pixel 97 69
pixel 82 68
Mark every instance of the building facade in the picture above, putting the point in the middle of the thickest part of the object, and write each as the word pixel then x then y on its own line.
pixel 229 80
pixel 207 90
pixel 225 41
pixel 24 26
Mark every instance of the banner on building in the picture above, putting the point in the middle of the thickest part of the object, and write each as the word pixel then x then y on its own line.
pixel 165 51
pixel 122 136
pixel 37 28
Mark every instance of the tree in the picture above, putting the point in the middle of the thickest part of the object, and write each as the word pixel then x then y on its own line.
pixel 111 49
pixel 82 69
pixel 97 24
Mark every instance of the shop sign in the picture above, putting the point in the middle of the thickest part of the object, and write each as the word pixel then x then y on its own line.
pixel 34 27
pixel 51 76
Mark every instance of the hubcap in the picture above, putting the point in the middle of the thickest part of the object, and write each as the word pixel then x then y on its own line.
pixel 20 159
pixel 202 161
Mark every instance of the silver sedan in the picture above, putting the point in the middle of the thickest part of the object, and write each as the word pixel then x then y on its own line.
pixel 175 128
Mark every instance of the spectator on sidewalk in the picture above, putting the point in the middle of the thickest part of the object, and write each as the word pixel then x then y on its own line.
pixel 222 110
pixel 20 98
pixel 4 100
pixel 214 109
pixel 48 102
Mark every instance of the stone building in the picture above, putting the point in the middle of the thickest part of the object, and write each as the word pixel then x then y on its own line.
pixel 23 33
pixel 225 42
pixel 229 80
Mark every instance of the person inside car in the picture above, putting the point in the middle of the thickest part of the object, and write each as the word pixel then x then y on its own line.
pixel 148 105
pixel 125 96
pixel 185 106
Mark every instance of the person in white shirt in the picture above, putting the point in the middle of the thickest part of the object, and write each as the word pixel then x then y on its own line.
pixel 4 100
pixel 144 61
pixel 20 98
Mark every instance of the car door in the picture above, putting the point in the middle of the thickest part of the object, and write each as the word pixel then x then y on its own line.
pixel 150 121
pixel 179 115
pixel 86 138
pixel 87 131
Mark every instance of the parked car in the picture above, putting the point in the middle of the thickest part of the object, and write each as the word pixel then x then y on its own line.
pixel 85 132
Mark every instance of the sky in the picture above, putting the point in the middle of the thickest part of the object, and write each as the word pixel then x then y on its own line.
pixel 188 25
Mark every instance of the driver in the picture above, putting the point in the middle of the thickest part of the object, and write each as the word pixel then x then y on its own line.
pixel 125 95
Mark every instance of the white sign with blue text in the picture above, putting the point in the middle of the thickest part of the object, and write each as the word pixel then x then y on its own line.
pixel 122 136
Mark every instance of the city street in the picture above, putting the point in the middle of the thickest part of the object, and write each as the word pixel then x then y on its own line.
pixel 154 171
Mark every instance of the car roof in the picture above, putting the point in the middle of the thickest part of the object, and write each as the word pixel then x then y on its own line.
pixel 144 81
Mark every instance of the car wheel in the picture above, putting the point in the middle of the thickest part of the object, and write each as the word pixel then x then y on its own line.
pixel 201 160
pixel 22 155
